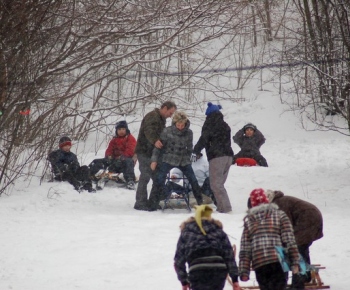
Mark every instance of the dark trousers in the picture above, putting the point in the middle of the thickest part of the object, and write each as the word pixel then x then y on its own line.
pixel 146 174
pixel 207 190
pixel 76 178
pixel 125 166
pixel 299 280
pixel 208 279
pixel 159 183
pixel 271 277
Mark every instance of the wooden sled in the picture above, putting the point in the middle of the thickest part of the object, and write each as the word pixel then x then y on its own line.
pixel 316 282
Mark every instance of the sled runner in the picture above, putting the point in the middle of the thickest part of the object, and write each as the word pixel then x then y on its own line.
pixel 246 162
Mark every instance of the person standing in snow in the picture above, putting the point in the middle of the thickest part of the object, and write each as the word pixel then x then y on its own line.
pixel 307 224
pixel 119 155
pixel 216 139
pixel 177 141
pixel 65 166
pixel 250 139
pixel 265 226
pixel 151 127
pixel 206 249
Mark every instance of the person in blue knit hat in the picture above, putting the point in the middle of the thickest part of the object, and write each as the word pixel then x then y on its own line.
pixel 216 139
pixel 212 108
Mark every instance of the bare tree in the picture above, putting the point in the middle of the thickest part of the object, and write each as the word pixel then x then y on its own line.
pixel 72 67
pixel 320 47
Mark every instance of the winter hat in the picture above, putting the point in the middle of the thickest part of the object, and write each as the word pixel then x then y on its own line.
pixel 249 125
pixel 64 141
pixel 270 194
pixel 202 211
pixel 258 197
pixel 212 108
pixel 121 124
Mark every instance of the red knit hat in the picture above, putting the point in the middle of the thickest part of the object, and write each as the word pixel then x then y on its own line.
pixel 258 197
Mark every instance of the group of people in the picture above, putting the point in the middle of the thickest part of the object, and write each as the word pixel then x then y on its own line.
pixel 119 158
pixel 158 149
pixel 273 220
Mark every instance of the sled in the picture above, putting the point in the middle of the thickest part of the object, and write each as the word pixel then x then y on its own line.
pixel 179 196
pixel 102 177
pixel 316 282
pixel 246 162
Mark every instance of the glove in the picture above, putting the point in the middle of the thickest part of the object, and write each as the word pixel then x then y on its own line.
pixel 65 168
pixel 193 157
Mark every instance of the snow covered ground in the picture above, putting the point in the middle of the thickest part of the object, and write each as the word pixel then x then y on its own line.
pixel 54 238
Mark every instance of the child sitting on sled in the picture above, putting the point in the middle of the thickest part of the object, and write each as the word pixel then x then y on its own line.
pixel 119 156
pixel 250 139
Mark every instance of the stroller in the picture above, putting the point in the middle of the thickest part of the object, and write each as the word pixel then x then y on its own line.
pixel 176 191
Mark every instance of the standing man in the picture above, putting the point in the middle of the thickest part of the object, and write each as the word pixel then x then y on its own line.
pixel 216 139
pixel 151 127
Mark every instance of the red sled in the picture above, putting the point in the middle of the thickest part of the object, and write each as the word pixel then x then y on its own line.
pixel 246 162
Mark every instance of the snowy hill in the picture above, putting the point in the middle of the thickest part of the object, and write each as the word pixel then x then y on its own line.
pixel 54 238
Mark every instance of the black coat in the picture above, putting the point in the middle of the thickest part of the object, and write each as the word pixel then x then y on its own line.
pixel 215 137
pixel 62 161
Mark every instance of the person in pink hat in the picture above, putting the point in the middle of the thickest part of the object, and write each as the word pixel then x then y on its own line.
pixel 265 226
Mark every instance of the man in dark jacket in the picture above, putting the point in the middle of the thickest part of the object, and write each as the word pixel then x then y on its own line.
pixel 250 139
pixel 307 224
pixel 65 167
pixel 205 247
pixel 216 139
pixel 151 127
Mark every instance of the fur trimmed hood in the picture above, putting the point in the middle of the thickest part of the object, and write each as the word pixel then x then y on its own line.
pixel 192 220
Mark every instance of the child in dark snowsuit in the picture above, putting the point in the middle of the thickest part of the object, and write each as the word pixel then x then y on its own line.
pixel 205 247
pixel 65 166
pixel 249 139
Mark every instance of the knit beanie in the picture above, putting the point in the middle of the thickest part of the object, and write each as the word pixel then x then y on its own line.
pixel 64 141
pixel 212 108
pixel 249 125
pixel 121 124
pixel 258 197
pixel 202 211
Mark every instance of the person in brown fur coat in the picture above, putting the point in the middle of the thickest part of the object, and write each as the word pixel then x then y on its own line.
pixel 205 247
pixel 306 220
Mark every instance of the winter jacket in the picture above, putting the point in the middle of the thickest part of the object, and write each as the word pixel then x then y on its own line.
pixel 215 137
pixel 151 127
pixel 62 161
pixel 121 146
pixel 250 145
pixel 192 245
pixel 177 146
pixel 265 227
pixel 306 218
